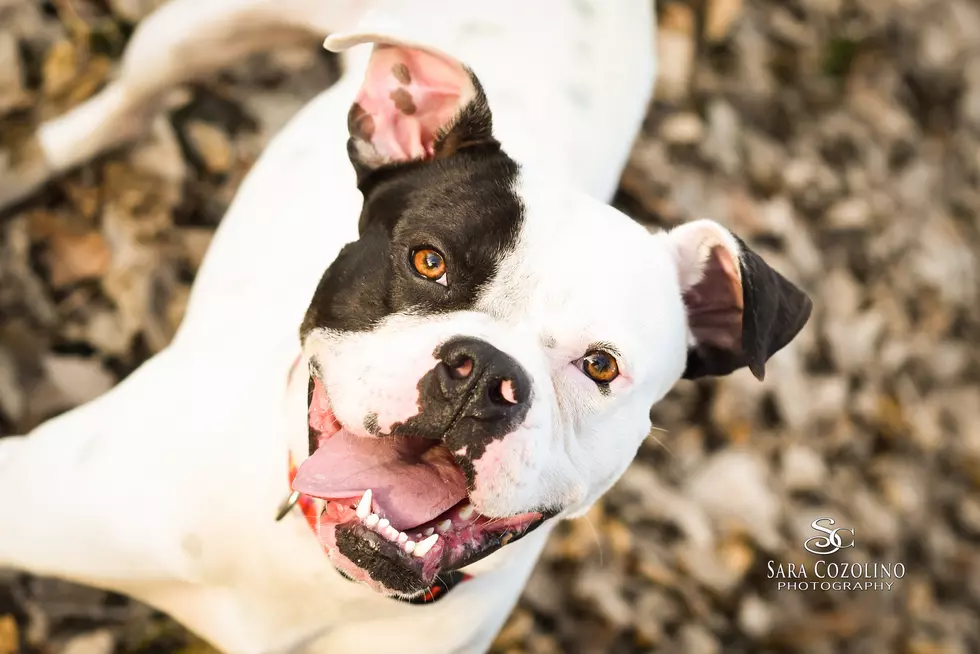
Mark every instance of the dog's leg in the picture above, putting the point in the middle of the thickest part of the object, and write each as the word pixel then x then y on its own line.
pixel 76 500
pixel 182 41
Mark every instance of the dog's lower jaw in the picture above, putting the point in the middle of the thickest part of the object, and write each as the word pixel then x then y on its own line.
pixel 363 555
pixel 359 557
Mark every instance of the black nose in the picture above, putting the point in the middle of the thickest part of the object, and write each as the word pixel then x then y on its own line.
pixel 483 382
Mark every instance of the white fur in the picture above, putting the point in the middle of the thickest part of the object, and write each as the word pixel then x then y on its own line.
pixel 165 487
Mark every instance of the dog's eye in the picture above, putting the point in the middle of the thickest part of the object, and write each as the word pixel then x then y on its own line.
pixel 601 367
pixel 430 264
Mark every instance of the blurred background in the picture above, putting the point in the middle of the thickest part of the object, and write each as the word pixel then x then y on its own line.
pixel 840 138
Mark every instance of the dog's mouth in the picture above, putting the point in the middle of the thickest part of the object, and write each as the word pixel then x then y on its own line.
pixel 397 510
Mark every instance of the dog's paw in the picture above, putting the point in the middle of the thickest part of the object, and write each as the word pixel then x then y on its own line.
pixel 23 168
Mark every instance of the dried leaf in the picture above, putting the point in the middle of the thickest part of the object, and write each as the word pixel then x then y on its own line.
pixel 675 52
pixel 78 379
pixel 9 636
pixel 12 93
pixel 89 81
pixel 60 67
pixel 211 145
pixel 719 17
pixel 74 257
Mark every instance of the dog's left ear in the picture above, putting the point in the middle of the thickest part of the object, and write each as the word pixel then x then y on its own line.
pixel 739 310
pixel 416 103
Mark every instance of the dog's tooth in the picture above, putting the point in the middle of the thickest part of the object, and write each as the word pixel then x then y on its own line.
pixel 409 546
pixel 383 524
pixel 423 548
pixel 364 506
pixel 466 512
pixel 391 533
pixel 371 520
pixel 444 526
pixel 402 537
pixel 428 532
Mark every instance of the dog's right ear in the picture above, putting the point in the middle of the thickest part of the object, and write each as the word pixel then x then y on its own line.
pixel 415 103
pixel 739 310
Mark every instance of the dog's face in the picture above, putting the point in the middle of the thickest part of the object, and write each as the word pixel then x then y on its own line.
pixel 485 355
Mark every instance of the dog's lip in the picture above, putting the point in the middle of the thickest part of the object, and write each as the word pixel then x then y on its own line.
pixel 321 419
pixel 452 549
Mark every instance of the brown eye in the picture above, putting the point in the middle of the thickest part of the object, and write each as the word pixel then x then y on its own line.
pixel 601 367
pixel 430 264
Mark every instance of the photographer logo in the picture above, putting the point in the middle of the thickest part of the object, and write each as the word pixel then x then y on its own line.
pixel 824 545
pixel 833 575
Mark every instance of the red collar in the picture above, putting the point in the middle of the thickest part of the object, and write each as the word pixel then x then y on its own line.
pixel 305 502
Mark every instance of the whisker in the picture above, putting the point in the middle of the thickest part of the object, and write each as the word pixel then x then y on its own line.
pixel 595 532
pixel 660 442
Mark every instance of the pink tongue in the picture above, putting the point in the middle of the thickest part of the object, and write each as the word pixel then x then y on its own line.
pixel 412 481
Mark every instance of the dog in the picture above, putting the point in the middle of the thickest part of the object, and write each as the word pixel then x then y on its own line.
pixel 420 338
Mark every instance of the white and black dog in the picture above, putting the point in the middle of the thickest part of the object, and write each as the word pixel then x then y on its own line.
pixel 483 344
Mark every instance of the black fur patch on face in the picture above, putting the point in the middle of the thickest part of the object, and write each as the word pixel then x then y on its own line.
pixel 464 206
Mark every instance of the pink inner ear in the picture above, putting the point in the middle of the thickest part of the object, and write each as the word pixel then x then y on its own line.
pixel 714 304
pixel 407 97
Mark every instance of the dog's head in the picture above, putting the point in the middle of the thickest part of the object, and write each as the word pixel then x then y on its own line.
pixel 485 355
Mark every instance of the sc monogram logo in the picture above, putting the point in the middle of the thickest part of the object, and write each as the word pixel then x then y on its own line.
pixel 824 545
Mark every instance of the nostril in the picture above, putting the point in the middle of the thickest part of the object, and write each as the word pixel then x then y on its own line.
pixel 503 393
pixel 463 369
pixel 507 391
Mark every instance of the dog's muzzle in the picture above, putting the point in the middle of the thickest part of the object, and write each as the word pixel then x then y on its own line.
pixel 397 509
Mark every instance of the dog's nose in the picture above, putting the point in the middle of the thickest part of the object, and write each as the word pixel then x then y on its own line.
pixel 484 382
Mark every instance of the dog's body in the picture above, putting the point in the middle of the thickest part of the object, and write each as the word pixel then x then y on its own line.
pixel 167 487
